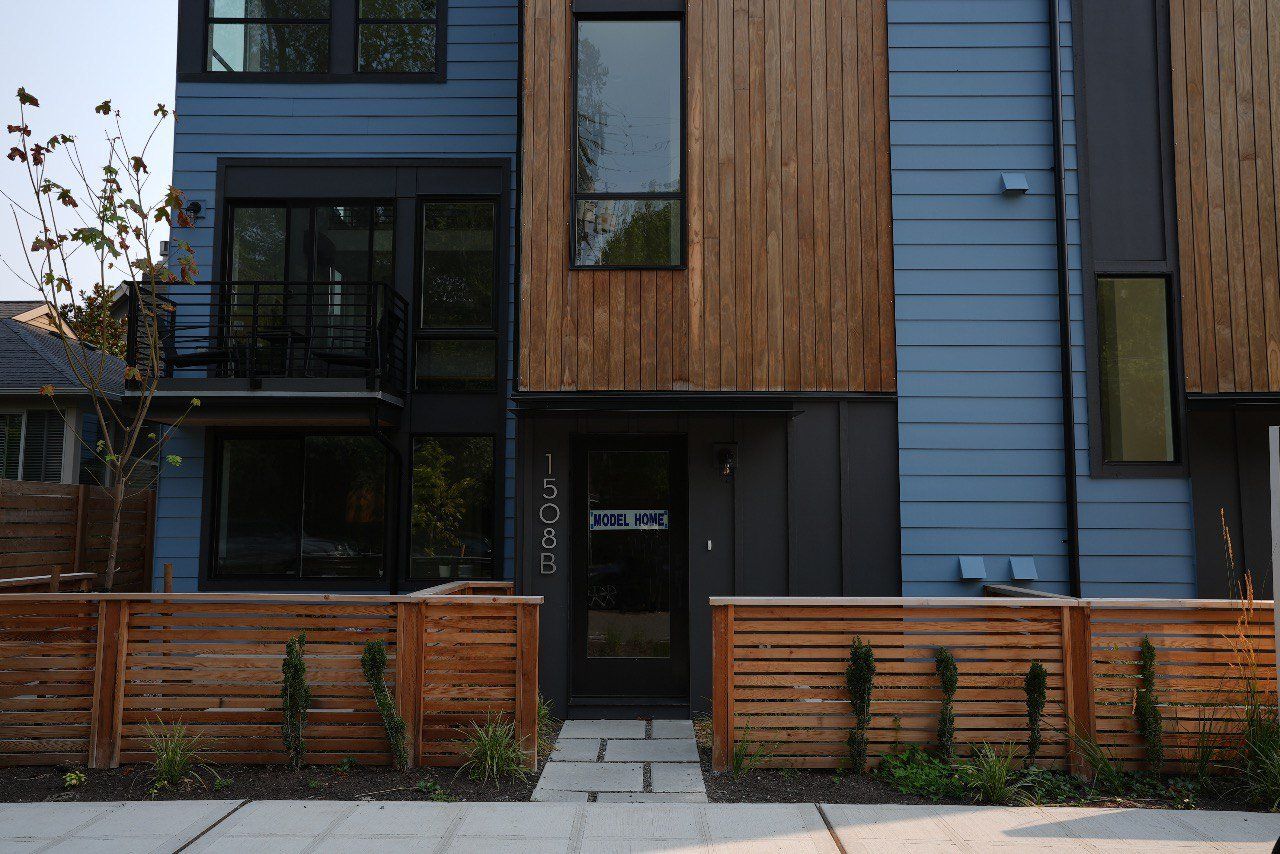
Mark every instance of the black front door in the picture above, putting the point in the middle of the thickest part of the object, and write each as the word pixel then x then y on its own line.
pixel 630 580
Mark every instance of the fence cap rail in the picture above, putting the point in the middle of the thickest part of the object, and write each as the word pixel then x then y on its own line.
pixel 977 601
pixel 268 598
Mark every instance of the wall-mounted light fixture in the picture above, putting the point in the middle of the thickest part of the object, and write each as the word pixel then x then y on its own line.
pixel 726 457
pixel 194 210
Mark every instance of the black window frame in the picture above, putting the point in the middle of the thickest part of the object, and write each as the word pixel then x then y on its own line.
pixel 1103 465
pixel 344 47
pixel 494 332
pixel 211 579
pixel 438 22
pixel 498 557
pixel 312 203
pixel 211 21
pixel 645 10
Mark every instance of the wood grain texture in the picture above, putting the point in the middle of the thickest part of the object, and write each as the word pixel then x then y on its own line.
pixel 48 524
pixel 1226 124
pixel 84 678
pixel 789 277
pixel 779 674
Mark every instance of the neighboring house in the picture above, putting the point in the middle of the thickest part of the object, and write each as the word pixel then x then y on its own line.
pixel 855 297
pixel 38 442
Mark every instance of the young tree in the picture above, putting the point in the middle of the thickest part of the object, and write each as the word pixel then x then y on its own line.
pixel 89 318
pixel 111 215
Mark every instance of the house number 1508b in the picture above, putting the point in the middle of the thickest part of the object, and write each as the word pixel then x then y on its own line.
pixel 549 515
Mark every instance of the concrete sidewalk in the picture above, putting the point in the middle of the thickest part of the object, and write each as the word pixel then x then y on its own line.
pixel 534 828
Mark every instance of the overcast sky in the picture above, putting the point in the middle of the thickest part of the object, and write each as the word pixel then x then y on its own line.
pixel 72 55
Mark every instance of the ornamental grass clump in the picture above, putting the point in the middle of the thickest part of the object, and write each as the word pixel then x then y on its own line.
pixel 374 665
pixel 949 679
pixel 1036 687
pixel 295 698
pixel 859 676
pixel 1146 708
pixel 493 751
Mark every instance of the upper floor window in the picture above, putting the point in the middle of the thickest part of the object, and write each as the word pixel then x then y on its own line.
pixel 290 36
pixel 628 176
pixel 457 347
pixel 312 40
pixel 1135 371
pixel 398 36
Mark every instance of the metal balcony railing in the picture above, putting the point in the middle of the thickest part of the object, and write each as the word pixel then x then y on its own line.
pixel 269 330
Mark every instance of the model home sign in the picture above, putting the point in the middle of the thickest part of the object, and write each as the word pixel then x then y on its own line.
pixel 630 520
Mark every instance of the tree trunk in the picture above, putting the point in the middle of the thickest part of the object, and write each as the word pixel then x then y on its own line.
pixel 113 545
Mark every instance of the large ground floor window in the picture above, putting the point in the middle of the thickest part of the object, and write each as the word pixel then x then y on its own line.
pixel 306 507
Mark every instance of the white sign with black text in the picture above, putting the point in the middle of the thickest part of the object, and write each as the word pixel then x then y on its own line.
pixel 630 520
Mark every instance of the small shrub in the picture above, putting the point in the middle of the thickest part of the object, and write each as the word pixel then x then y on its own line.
pixel 860 676
pixel 747 754
pixel 72 779
pixel 1259 764
pixel 295 699
pixel 949 679
pixel 1146 709
pixel 493 752
pixel 992 777
pixel 374 664
pixel 175 755
pixel 1104 774
pixel 1036 687
pixel 547 724
pixel 1050 786
pixel 915 772
pixel 432 791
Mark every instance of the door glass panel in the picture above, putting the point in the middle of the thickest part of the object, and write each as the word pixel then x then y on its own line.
pixel 629 554
pixel 344 514
pixel 259 518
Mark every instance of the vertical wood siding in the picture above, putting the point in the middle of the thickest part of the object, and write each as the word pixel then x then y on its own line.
pixel 789 284
pixel 1226 118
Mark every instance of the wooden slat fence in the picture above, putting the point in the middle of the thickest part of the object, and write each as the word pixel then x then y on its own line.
pixel 48 527
pixel 83 676
pixel 779 673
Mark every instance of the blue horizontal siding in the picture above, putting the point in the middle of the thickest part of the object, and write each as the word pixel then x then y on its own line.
pixel 980 422
pixel 472 114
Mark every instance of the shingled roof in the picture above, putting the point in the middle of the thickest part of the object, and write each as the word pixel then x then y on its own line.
pixel 32 358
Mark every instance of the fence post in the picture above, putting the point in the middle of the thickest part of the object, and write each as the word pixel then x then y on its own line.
pixel 409 674
pixel 168 578
pixel 108 684
pixel 721 687
pixel 82 528
pixel 55 577
pixel 1077 680
pixel 527 681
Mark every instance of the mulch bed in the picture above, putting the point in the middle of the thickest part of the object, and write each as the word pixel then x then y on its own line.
pixel 267 782
pixel 801 786
pixel 261 782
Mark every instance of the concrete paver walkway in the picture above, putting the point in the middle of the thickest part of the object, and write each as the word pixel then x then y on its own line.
pixel 623 761
pixel 584 828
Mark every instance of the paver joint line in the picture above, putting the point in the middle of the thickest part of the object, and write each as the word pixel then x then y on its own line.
pixel 193 840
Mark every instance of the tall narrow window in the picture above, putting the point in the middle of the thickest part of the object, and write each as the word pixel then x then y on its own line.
pixel 453 517
pixel 1135 371
pixel 10 444
pixel 399 36
pixel 628 181
pixel 270 36
pixel 457 348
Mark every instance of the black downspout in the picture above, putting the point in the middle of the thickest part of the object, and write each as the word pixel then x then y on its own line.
pixel 1064 305
pixel 397 470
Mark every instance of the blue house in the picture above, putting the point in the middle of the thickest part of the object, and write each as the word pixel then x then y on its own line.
pixel 635 303
pixel 353 164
